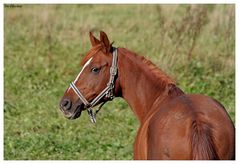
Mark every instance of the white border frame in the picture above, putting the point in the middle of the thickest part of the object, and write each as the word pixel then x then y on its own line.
pixel 103 2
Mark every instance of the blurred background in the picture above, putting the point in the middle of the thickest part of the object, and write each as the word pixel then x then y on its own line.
pixel 44 44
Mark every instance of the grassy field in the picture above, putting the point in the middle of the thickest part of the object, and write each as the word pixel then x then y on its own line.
pixel 43 45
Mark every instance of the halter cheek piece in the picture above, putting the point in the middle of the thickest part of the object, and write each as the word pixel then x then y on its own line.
pixel 108 92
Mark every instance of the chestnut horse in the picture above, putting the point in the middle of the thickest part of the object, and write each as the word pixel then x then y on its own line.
pixel 173 124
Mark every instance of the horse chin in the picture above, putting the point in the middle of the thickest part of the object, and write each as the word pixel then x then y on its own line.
pixel 76 114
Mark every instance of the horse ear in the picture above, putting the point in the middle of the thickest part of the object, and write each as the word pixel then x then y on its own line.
pixel 104 39
pixel 94 41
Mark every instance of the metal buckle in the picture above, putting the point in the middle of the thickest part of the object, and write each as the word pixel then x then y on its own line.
pixel 113 70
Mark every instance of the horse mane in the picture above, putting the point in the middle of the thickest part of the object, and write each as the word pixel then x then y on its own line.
pixel 158 76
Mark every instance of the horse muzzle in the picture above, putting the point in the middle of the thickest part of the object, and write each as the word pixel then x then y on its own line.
pixel 70 110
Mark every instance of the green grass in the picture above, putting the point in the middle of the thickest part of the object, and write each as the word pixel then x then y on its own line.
pixel 43 45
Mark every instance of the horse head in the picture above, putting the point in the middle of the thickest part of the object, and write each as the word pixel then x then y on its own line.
pixel 95 83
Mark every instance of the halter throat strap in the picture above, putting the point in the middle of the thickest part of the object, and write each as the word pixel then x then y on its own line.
pixel 108 92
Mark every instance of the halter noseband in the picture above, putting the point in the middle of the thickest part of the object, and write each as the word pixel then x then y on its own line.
pixel 108 91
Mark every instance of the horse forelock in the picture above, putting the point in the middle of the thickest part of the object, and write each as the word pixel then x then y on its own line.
pixel 93 51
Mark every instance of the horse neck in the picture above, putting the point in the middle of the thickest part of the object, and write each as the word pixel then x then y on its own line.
pixel 139 86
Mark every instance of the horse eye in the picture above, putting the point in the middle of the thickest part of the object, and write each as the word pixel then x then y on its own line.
pixel 95 70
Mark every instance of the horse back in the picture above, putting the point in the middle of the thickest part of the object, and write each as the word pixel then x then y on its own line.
pixel 189 127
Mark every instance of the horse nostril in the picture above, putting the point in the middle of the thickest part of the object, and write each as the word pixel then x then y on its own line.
pixel 66 104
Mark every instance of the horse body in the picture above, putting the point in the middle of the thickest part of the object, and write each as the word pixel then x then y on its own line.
pixel 173 125
pixel 187 127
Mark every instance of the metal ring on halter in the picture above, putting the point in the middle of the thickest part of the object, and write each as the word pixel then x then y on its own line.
pixel 108 91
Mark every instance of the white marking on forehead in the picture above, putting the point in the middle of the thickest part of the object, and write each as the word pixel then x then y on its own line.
pixel 78 76
pixel 86 64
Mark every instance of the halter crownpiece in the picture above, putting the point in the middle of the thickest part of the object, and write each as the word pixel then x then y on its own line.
pixel 108 92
